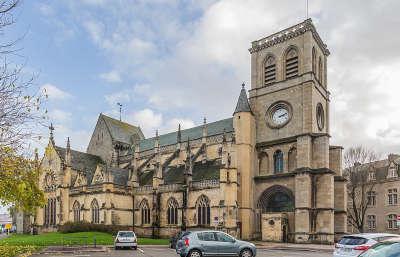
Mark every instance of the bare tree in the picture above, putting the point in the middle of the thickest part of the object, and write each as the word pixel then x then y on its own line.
pixel 359 163
pixel 20 107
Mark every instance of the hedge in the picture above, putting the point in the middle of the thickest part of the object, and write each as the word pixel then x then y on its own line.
pixel 84 226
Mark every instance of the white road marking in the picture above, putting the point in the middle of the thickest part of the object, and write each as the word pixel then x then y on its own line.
pixel 141 250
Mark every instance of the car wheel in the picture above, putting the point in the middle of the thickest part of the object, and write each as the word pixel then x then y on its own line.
pixel 134 248
pixel 194 253
pixel 115 247
pixel 246 253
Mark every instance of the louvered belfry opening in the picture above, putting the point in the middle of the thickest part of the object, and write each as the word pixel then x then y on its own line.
pixel 270 70
pixel 292 64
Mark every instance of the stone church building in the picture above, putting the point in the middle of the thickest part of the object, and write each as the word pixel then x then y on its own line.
pixel 268 172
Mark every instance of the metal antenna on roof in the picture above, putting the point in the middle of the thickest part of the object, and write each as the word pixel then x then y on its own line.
pixel 120 111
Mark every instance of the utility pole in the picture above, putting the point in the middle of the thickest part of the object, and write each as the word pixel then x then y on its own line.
pixel 120 111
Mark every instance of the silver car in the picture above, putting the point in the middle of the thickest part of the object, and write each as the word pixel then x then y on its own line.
pixel 213 243
pixel 125 239
pixel 389 248
pixel 354 245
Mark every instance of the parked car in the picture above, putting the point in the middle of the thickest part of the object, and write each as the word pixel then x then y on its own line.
pixel 388 248
pixel 174 239
pixel 354 245
pixel 125 239
pixel 210 243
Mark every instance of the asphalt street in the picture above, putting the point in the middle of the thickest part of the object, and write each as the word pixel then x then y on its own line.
pixel 165 252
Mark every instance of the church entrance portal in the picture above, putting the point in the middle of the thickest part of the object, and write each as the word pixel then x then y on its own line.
pixel 274 208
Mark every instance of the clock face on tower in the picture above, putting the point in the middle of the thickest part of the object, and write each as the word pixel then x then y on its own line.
pixel 278 114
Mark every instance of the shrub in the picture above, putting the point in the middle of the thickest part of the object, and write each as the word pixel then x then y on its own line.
pixel 14 250
pixel 84 226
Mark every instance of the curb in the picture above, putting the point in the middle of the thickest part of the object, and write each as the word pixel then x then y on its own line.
pixel 296 249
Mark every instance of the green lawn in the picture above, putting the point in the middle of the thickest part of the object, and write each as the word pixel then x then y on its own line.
pixel 57 238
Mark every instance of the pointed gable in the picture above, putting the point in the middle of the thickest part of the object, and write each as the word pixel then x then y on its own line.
pixel 98 176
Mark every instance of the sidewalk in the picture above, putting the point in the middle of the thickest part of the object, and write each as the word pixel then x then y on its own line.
pixel 298 247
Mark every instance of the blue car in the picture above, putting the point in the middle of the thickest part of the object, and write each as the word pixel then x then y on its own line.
pixel 213 243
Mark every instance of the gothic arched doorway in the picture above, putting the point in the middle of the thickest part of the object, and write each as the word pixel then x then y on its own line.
pixel 276 199
pixel 274 207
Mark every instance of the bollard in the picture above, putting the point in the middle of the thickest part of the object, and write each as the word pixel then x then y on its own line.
pixel 94 241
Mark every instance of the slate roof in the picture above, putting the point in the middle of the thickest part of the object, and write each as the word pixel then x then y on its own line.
pixel 201 171
pixel 381 168
pixel 243 103
pixel 121 131
pixel 81 161
pixel 120 176
pixel 146 178
pixel 213 128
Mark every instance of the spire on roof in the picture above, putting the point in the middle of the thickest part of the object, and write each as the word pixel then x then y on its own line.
pixel 51 128
pixel 157 141
pixel 68 157
pixel 204 128
pixel 243 103
pixel 179 135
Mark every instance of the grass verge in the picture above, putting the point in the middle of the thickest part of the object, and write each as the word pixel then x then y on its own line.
pixel 78 238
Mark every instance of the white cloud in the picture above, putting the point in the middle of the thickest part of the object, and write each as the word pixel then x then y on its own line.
pixel 79 138
pixel 112 76
pixel 61 116
pixel 195 57
pixel 54 92
pixel 118 97
pixel 172 124
pixel 148 120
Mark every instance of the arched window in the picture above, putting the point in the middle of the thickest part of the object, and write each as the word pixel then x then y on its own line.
pixel 95 211
pixel 50 201
pixel 77 211
pixel 263 163
pixel 292 63
pixel 278 162
pixel 292 159
pixel 203 210
pixel 53 211
pixel 172 211
pixel 314 60
pixel 320 70
pixel 269 70
pixel 46 214
pixel 276 199
pixel 145 212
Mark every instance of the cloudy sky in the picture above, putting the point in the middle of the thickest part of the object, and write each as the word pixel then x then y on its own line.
pixel 170 61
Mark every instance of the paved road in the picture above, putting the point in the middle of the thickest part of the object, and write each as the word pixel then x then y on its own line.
pixel 164 252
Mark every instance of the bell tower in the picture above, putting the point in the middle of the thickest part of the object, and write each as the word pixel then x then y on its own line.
pixel 290 101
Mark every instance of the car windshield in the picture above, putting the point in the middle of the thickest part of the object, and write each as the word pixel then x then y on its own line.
pixel 385 249
pixel 352 240
pixel 182 234
pixel 126 234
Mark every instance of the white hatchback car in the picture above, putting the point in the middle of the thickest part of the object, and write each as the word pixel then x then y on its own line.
pixel 354 245
pixel 125 239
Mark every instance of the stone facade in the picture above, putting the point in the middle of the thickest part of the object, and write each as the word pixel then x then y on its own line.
pixel 384 203
pixel 270 161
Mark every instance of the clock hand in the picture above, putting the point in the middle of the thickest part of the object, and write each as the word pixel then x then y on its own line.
pixel 280 116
